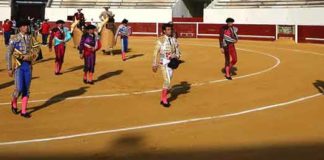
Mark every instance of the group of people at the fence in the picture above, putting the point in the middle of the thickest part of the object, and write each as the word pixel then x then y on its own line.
pixel 25 50
pixel 35 26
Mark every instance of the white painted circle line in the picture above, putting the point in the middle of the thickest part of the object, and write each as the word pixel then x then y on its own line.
pixel 262 108
pixel 158 90
pixel 293 50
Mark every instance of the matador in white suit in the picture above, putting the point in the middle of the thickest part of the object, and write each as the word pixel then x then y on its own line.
pixel 166 56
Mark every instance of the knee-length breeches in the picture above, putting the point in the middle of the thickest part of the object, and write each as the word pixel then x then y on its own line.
pixel 167 73
pixel 89 63
pixel 59 53
pixel 230 53
pixel 124 44
pixel 23 76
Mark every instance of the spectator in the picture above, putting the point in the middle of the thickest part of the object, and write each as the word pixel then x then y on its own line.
pixel 6 29
pixel 45 29
pixel 14 26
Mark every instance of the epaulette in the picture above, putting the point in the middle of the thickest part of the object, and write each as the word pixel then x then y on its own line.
pixel 161 39
pixel 14 37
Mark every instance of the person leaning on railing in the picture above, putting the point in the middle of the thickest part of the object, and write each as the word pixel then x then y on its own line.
pixel 6 29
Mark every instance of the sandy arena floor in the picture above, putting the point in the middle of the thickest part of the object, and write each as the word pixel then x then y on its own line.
pixel 273 109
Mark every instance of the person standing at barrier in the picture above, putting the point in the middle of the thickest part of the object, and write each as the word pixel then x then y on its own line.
pixel 24 51
pixel 6 30
pixel 89 44
pixel 166 56
pixel 227 39
pixel 124 31
pixel 60 35
pixel 45 30
pixel 37 26
pixel 14 26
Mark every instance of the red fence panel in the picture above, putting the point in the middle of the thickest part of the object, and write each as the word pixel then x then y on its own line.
pixel 186 30
pixel 256 32
pixel 143 27
pixel 312 34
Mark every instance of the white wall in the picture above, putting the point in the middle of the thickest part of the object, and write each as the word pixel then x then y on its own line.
pixel 301 16
pixel 5 13
pixel 133 15
pixel 180 10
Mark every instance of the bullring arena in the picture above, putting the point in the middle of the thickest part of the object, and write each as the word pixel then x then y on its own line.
pixel 271 110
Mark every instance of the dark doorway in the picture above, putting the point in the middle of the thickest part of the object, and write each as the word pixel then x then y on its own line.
pixel 21 9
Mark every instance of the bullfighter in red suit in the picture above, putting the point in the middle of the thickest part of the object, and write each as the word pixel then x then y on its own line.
pixel 60 35
pixel 228 37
